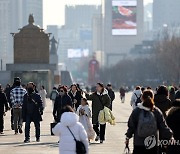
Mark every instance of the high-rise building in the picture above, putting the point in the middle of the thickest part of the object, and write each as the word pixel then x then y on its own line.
pixel 80 15
pixel 4 31
pixel 166 12
pixel 14 15
pixel 123 23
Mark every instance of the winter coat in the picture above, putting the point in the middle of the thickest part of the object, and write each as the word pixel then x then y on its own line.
pixel 84 119
pixel 60 103
pixel 164 131
pixel 106 115
pixel 112 96
pixel 163 103
pixel 3 102
pixel 43 94
pixel 173 121
pixel 98 103
pixel 67 144
pixel 134 98
pixel 32 107
pixel 77 95
pixel 177 94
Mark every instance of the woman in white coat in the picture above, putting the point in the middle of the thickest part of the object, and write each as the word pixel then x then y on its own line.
pixel 43 94
pixel 67 145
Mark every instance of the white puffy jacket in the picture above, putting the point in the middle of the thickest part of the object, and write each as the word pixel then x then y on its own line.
pixel 134 98
pixel 67 144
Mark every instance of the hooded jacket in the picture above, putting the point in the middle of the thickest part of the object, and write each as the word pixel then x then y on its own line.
pixel 163 103
pixel 134 98
pixel 67 144
pixel 98 103
pixel 164 131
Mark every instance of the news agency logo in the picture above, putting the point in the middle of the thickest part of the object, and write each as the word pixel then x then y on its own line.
pixel 150 142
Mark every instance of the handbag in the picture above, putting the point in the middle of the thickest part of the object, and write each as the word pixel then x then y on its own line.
pixel 80 147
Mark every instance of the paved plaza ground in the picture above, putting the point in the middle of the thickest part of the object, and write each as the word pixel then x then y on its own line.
pixel 114 144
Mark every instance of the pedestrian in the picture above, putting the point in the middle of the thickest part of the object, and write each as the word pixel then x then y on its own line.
pixel 177 96
pixel 17 96
pixel 69 122
pixel 172 94
pixel 7 92
pixel 146 122
pixel 122 92
pixel 173 121
pixel 111 94
pixel 32 110
pixel 136 97
pixel 99 99
pixel 53 95
pixel 75 95
pixel 162 100
pixel 84 113
pixel 3 108
pixel 62 100
pixel 43 95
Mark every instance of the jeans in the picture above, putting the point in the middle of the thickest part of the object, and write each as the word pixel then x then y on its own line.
pixel 100 132
pixel 29 119
pixel 17 116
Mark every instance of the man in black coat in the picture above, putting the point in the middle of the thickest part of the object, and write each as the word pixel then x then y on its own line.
pixel 111 94
pixel 3 105
pixel 31 111
pixel 61 101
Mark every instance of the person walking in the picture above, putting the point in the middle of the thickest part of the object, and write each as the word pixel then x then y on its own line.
pixel 136 97
pixel 43 95
pixel 3 108
pixel 172 94
pixel 53 95
pixel 32 110
pixel 111 94
pixel 17 96
pixel 84 113
pixel 69 124
pixel 75 95
pixel 62 100
pixel 173 121
pixel 122 92
pixel 145 123
pixel 99 99
pixel 162 100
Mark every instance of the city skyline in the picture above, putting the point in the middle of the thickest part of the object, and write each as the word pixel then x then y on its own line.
pixel 53 10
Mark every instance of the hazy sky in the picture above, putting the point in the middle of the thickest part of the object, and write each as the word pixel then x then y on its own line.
pixel 54 9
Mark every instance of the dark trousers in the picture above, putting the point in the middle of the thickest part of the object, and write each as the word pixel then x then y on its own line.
pixel 1 121
pixel 143 150
pixel 27 127
pixel 12 119
pixel 100 132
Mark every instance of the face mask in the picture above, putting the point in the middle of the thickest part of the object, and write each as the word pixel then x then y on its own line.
pixel 61 93
pixel 30 90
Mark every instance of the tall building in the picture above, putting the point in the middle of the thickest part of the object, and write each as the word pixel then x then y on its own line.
pixel 80 15
pixel 166 12
pixel 14 14
pixel 4 31
pixel 123 24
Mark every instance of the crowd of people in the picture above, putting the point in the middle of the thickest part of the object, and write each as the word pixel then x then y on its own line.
pixel 154 113
pixel 155 116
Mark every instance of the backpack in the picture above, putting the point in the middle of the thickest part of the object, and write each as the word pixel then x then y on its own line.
pixel 53 95
pixel 147 124
pixel 138 100
pixel 80 147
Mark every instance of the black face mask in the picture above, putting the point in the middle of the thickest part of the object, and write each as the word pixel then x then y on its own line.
pixel 30 90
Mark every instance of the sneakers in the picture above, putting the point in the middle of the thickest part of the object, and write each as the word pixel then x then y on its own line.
pixel 97 138
pixel 16 133
pixel 26 140
pixel 1 133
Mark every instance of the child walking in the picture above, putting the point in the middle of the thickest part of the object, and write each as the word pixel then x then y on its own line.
pixel 84 113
